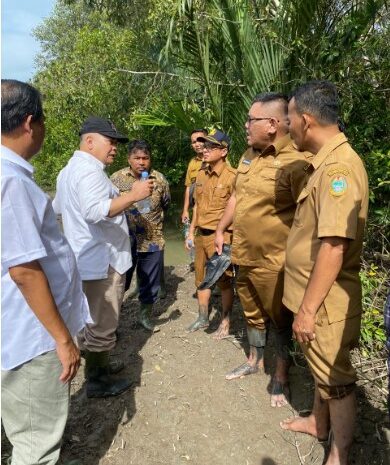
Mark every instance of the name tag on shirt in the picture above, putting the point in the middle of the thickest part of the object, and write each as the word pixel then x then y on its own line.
pixel 246 162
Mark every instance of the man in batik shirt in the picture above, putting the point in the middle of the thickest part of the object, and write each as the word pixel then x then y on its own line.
pixel 146 229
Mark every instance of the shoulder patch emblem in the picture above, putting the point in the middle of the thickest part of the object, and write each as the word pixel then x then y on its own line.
pixel 339 170
pixel 338 185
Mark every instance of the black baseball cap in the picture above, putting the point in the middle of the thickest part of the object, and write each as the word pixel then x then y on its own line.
pixel 102 126
pixel 216 137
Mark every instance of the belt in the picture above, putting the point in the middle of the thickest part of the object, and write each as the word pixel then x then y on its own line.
pixel 205 232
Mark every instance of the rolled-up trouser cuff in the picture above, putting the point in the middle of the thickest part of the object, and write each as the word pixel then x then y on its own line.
pixel 256 337
pixel 335 392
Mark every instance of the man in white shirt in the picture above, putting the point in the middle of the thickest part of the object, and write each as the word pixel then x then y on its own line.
pixel 96 227
pixel 43 306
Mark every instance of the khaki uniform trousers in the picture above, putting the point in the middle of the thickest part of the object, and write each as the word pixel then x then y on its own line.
pixel 105 298
pixel 261 291
pixel 34 409
pixel 328 355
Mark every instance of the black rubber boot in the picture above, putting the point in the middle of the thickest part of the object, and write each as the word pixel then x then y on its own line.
pixel 145 317
pixel 114 366
pixel 99 381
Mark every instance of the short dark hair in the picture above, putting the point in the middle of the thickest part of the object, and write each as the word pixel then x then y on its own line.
pixel 318 98
pixel 18 100
pixel 203 130
pixel 139 144
pixel 267 97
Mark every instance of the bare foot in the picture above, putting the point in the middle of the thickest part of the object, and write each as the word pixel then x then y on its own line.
pixel 304 425
pixel 244 370
pixel 280 393
pixel 223 330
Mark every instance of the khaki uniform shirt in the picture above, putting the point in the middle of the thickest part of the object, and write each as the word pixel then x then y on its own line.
pixel 212 191
pixel 146 227
pixel 334 203
pixel 193 168
pixel 267 187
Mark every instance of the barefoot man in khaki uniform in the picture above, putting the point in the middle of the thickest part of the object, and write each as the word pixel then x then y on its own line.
pixel 322 286
pixel 270 177
pixel 214 186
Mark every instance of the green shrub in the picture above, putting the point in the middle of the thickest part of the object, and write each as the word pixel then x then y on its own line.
pixel 372 334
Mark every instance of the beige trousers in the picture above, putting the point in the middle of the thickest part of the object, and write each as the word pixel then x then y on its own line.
pixel 34 409
pixel 260 291
pixel 105 298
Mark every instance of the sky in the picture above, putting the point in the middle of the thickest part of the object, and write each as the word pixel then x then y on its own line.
pixel 18 46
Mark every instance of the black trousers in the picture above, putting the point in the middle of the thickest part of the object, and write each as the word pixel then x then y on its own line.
pixel 149 268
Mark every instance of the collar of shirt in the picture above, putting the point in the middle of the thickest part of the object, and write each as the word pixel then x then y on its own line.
pixel 89 158
pixel 218 170
pixel 327 149
pixel 13 157
pixel 277 146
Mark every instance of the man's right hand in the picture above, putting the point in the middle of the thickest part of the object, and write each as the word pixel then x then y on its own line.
pixel 218 241
pixel 141 189
pixel 69 356
pixel 185 217
pixel 189 242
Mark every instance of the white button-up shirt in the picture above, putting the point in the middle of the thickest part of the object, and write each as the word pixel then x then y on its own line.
pixel 30 232
pixel 83 198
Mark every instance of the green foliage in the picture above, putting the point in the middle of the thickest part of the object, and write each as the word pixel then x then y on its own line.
pixel 84 70
pixel 373 335
pixel 161 68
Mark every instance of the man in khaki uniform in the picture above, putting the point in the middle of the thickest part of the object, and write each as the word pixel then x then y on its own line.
pixel 194 166
pixel 214 186
pixel 322 286
pixel 270 177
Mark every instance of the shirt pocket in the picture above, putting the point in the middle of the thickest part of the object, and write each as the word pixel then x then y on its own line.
pixel 243 168
pixel 298 217
pixel 266 181
pixel 220 197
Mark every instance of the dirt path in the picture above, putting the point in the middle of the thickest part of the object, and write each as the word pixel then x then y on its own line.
pixel 181 410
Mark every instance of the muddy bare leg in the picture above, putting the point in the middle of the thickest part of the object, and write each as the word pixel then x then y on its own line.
pixel 227 296
pixel 280 391
pixel 342 421
pixel 316 424
pixel 257 339
pixel 203 317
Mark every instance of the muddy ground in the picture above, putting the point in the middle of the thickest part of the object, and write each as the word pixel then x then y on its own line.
pixel 180 409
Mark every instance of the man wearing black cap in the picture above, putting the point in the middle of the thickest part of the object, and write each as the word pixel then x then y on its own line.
pixel 213 188
pixel 94 224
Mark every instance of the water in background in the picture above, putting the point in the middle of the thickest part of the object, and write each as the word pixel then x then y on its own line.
pixel 175 254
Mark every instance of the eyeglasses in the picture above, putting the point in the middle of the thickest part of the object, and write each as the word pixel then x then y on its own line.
pixel 210 148
pixel 249 119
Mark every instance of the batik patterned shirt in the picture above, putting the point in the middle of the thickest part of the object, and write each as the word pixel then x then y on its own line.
pixel 146 228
